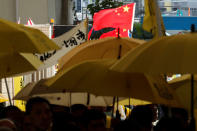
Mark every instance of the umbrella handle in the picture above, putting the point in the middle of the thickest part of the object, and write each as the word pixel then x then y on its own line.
pixel 119 52
pixel 117 102
pixel 114 99
pixel 192 95
pixel 8 92
pixel 70 102
pixel 192 125
pixel 88 99
pixel 192 122
pixel 117 111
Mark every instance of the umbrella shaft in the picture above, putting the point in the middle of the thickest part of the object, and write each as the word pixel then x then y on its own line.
pixel 8 92
pixel 192 96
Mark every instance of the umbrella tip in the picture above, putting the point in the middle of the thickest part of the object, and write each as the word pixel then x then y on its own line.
pixel 192 28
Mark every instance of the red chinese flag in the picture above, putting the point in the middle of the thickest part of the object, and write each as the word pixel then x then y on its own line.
pixel 121 17
pixel 114 33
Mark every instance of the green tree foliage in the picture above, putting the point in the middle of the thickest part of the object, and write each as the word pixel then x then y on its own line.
pixel 105 4
pixel 139 33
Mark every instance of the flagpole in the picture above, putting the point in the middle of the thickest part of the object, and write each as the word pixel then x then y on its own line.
pixel 87 20
pixel 192 121
pixel 133 18
pixel 159 32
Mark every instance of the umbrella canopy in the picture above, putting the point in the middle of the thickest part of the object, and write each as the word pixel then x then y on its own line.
pixel 19 38
pixel 66 99
pixel 3 98
pixel 16 63
pixel 170 54
pixel 13 63
pixel 181 85
pixel 133 101
pixel 106 48
pixel 70 98
pixel 95 77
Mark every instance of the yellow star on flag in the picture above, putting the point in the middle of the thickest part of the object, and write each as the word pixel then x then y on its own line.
pixel 126 9
pixel 124 30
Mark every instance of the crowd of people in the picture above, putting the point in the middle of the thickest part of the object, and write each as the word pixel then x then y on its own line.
pixel 40 115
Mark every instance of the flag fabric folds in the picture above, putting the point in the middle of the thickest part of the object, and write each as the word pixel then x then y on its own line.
pixel 121 17
pixel 114 33
pixel 153 21
pixel 30 22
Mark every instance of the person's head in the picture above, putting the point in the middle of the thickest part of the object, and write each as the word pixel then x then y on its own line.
pixel 143 115
pixel 7 123
pixel 5 129
pixel 10 112
pixel 39 112
pixel 27 124
pixel 155 110
pixel 95 120
pixel 78 110
pixel 182 115
pixel 13 113
pixel 60 108
pixel 169 124
pixel 129 125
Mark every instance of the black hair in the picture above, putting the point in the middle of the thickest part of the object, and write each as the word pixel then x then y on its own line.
pixel 5 110
pixel 94 114
pixel 143 115
pixel 77 107
pixel 33 101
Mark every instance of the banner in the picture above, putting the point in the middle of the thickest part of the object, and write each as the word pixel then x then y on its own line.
pixel 66 41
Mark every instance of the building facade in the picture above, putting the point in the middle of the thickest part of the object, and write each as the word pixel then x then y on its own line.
pixel 40 11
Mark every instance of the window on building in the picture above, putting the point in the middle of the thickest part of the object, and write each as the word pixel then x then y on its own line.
pixel 78 5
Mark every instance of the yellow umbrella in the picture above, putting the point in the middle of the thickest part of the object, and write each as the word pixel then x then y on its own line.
pixel 95 77
pixel 69 98
pixel 133 101
pixel 19 38
pixel 107 48
pixel 16 63
pixel 66 99
pixel 181 85
pixel 3 98
pixel 171 54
